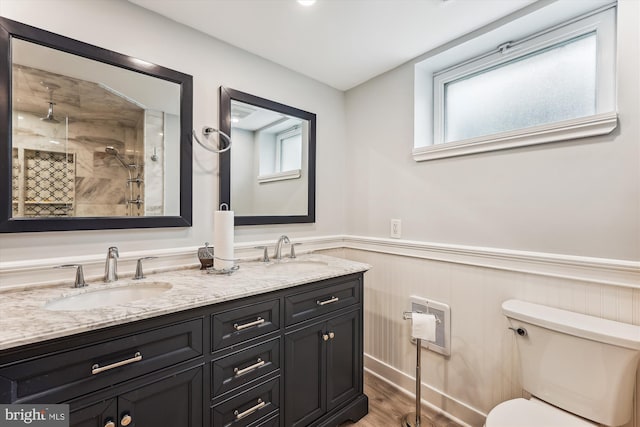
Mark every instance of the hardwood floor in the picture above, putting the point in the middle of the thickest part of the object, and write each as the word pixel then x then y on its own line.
pixel 387 406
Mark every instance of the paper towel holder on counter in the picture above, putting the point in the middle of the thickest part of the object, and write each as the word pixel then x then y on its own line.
pixel 227 271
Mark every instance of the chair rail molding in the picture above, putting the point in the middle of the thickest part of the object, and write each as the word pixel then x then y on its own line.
pixel 17 274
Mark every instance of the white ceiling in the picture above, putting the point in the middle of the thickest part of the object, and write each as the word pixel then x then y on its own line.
pixel 339 42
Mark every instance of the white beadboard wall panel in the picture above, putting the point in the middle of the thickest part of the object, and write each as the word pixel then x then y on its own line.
pixel 483 369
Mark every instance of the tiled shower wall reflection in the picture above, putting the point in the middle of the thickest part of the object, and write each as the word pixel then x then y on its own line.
pixel 100 180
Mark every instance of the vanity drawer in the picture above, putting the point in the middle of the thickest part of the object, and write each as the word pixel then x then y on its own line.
pixel 249 407
pixel 244 323
pixel 57 376
pixel 322 300
pixel 239 368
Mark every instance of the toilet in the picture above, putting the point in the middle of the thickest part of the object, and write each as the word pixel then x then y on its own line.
pixel 580 370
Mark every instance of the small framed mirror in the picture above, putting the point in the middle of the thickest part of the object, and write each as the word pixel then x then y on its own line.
pixel 93 139
pixel 268 175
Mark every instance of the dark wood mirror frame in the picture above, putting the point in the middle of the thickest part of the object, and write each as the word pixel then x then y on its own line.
pixel 226 96
pixel 11 29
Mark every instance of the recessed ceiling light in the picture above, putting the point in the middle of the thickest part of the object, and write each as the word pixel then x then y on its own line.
pixel 306 2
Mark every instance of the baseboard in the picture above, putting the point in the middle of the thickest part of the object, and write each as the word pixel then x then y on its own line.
pixel 457 411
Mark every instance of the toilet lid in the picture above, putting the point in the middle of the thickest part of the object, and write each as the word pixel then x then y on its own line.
pixel 532 413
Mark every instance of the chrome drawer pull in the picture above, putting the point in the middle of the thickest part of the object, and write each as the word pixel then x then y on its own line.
pixel 96 369
pixel 257 322
pixel 256 365
pixel 329 301
pixel 241 415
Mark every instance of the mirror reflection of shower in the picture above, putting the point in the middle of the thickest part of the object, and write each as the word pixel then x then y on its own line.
pixel 51 87
pixel 131 198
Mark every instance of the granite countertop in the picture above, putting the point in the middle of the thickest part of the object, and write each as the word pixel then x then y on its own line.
pixel 24 320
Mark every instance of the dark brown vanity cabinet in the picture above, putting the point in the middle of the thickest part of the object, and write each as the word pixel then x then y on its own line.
pixel 323 356
pixel 174 400
pixel 286 358
pixel 127 379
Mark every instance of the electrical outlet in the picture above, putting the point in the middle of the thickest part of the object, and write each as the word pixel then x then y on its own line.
pixel 396 228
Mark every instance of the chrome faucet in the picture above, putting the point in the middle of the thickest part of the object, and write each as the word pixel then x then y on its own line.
pixel 111 265
pixel 278 253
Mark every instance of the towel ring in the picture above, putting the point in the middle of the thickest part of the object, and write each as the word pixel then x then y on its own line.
pixel 206 131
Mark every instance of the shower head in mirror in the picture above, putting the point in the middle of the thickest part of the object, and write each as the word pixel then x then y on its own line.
pixel 49 117
pixel 51 87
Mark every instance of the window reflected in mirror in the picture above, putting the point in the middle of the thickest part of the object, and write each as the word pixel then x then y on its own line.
pixel 269 151
pixel 90 139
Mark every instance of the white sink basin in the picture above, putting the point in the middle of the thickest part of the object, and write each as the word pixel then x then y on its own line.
pixel 293 266
pixel 108 297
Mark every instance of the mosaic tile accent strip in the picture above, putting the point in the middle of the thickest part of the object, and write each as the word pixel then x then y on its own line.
pixel 15 181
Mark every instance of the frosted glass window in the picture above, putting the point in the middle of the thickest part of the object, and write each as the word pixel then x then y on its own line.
pixel 552 85
pixel 291 152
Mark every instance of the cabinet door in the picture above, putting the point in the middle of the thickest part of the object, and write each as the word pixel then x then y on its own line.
pixel 96 415
pixel 172 401
pixel 305 386
pixel 344 368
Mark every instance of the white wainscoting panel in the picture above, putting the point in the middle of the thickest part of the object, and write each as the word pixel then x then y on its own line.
pixel 483 369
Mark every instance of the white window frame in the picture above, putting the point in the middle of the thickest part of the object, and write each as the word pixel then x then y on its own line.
pixel 289 133
pixel 279 174
pixel 601 21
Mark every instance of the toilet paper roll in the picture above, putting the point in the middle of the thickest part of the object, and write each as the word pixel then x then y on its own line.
pixel 223 239
pixel 423 326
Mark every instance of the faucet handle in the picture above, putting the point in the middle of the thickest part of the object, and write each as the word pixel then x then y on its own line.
pixel 113 252
pixel 265 254
pixel 293 250
pixel 139 274
pixel 79 283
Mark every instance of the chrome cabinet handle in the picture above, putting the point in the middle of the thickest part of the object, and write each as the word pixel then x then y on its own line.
pixel 243 371
pixel 126 420
pixel 110 423
pixel 257 322
pixel 96 369
pixel 325 337
pixel 331 335
pixel 241 415
pixel 329 301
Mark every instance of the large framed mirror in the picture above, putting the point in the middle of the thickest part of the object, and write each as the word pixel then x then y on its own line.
pixel 93 139
pixel 268 176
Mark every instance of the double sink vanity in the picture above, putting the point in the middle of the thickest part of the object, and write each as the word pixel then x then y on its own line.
pixel 274 344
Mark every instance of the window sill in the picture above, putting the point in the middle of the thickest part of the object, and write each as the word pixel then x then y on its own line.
pixel 599 124
pixel 280 176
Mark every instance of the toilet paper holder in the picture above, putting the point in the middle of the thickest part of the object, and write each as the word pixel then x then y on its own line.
pixel 414 419
pixel 409 315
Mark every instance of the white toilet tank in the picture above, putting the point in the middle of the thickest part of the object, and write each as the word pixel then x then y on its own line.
pixel 582 364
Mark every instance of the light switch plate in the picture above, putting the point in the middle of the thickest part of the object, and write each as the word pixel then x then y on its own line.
pixel 396 228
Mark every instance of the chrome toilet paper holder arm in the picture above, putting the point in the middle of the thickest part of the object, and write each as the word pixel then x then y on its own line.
pixel 409 315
